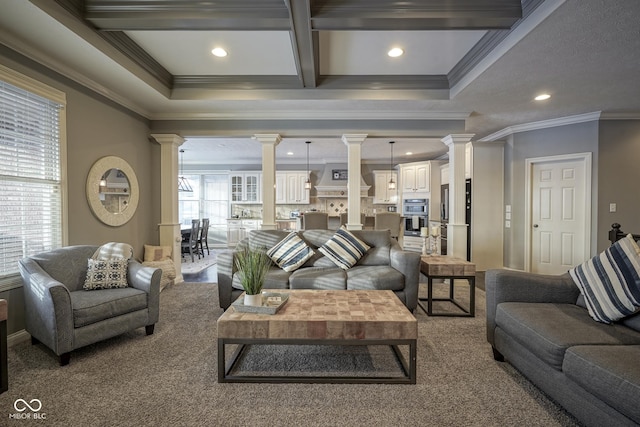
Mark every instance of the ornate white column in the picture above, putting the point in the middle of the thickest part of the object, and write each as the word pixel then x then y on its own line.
pixel 354 157
pixel 269 142
pixel 456 228
pixel 169 227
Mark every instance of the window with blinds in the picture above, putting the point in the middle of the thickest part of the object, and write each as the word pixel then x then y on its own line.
pixel 30 176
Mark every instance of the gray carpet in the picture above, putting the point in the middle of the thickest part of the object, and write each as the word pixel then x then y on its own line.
pixel 169 379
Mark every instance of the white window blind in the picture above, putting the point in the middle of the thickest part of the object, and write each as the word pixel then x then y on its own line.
pixel 30 176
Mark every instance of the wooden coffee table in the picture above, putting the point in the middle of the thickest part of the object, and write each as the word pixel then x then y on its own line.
pixel 448 267
pixel 323 317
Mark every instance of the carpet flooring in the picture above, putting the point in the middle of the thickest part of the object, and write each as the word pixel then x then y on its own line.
pixel 170 379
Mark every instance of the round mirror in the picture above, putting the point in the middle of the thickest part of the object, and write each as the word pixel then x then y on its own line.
pixel 112 190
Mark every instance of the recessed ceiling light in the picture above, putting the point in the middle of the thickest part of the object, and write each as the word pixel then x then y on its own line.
pixel 289 153
pixel 542 97
pixel 395 52
pixel 219 52
pixel 408 153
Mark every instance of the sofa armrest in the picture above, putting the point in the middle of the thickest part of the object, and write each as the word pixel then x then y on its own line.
pixel 407 263
pixel 226 268
pixel 519 286
pixel 48 311
pixel 147 279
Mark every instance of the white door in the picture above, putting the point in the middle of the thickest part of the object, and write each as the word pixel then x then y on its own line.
pixel 559 218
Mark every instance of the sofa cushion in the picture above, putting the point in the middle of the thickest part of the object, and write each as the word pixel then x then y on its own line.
pixel 276 278
pixel 547 330
pixel 632 322
pixel 318 278
pixel 380 243
pixel 259 239
pixel 610 282
pixel 344 249
pixel 375 277
pixel 106 274
pixel 611 373
pixel 95 306
pixel 290 252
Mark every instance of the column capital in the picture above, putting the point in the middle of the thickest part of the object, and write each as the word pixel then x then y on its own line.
pixel 168 138
pixel 354 138
pixel 459 138
pixel 268 138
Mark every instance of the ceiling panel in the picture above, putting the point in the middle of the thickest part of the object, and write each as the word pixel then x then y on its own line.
pixel 249 52
pixel 365 52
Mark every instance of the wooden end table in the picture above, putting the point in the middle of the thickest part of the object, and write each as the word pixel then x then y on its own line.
pixel 448 267
pixel 322 317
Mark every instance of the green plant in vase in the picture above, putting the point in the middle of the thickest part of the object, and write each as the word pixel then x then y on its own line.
pixel 252 266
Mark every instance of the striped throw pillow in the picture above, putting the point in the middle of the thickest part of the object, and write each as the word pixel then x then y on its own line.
pixel 290 253
pixel 344 249
pixel 610 282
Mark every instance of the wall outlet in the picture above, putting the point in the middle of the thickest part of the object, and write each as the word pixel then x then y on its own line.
pixel 612 207
pixel 507 224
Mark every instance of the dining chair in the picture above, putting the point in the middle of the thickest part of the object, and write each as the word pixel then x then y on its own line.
pixel 316 221
pixel 203 240
pixel 191 246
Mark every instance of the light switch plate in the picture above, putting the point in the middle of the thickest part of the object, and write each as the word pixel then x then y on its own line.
pixel 612 207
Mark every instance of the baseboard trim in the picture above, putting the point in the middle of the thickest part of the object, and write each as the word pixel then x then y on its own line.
pixel 18 337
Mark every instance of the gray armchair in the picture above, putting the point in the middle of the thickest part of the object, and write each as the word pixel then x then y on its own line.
pixel 64 317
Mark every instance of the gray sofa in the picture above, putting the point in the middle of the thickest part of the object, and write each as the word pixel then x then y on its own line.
pixel 540 325
pixel 385 266
pixel 64 317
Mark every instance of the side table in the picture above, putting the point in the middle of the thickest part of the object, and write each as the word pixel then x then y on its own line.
pixel 448 267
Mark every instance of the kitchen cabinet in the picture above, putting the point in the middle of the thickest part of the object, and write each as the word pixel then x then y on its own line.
pixel 422 179
pixel 382 194
pixel 415 177
pixel 238 229
pixel 245 187
pixel 290 188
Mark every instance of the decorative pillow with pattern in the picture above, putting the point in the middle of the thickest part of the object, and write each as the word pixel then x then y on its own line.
pixel 610 282
pixel 290 253
pixel 156 253
pixel 344 249
pixel 106 274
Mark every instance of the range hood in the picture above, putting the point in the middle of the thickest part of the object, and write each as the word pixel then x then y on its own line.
pixel 333 183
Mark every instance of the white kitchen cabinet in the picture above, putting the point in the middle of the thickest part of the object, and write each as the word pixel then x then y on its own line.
pixel 238 229
pixel 415 177
pixel 382 194
pixel 245 187
pixel 290 188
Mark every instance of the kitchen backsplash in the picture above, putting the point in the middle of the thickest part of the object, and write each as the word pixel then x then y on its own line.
pixel 333 206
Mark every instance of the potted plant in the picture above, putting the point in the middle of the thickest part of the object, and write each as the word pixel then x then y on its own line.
pixel 252 266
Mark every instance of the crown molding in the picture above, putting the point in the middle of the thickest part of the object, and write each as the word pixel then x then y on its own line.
pixel 620 116
pixel 315 115
pixel 543 124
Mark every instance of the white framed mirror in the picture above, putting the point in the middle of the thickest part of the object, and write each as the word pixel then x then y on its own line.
pixel 112 190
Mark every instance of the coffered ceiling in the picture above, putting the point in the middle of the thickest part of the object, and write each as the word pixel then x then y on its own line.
pixel 316 69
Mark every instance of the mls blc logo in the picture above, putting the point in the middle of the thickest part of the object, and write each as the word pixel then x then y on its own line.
pixel 21 406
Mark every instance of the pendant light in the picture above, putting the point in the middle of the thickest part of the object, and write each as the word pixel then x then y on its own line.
pixel 183 184
pixel 307 183
pixel 392 183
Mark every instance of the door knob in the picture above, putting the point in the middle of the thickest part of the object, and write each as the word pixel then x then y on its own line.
pixel 535 225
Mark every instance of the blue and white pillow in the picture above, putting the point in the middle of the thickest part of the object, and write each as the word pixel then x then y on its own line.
pixel 610 282
pixel 344 249
pixel 291 252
